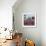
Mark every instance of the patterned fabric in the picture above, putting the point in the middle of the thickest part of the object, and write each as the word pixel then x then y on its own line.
pixel 29 43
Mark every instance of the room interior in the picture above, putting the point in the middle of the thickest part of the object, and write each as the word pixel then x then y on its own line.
pixel 12 30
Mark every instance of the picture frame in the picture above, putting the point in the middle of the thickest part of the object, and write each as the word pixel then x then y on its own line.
pixel 29 19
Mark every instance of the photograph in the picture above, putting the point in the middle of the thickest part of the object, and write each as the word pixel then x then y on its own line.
pixel 29 19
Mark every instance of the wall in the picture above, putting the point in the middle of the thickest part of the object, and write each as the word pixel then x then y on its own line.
pixel 6 13
pixel 28 32
pixel 43 22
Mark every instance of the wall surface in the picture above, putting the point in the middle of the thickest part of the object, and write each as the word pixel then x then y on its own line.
pixel 43 22
pixel 6 13
pixel 29 32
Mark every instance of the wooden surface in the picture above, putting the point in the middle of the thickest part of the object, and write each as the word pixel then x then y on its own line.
pixel 8 43
pixel 16 41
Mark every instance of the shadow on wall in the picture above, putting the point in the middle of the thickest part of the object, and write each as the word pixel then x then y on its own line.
pixel 29 5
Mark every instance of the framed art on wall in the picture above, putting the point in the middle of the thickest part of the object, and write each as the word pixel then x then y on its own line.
pixel 29 19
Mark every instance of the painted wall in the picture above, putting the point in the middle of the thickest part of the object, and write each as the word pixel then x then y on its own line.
pixel 6 13
pixel 43 22
pixel 28 32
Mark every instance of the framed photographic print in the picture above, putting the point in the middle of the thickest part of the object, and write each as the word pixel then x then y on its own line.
pixel 29 19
